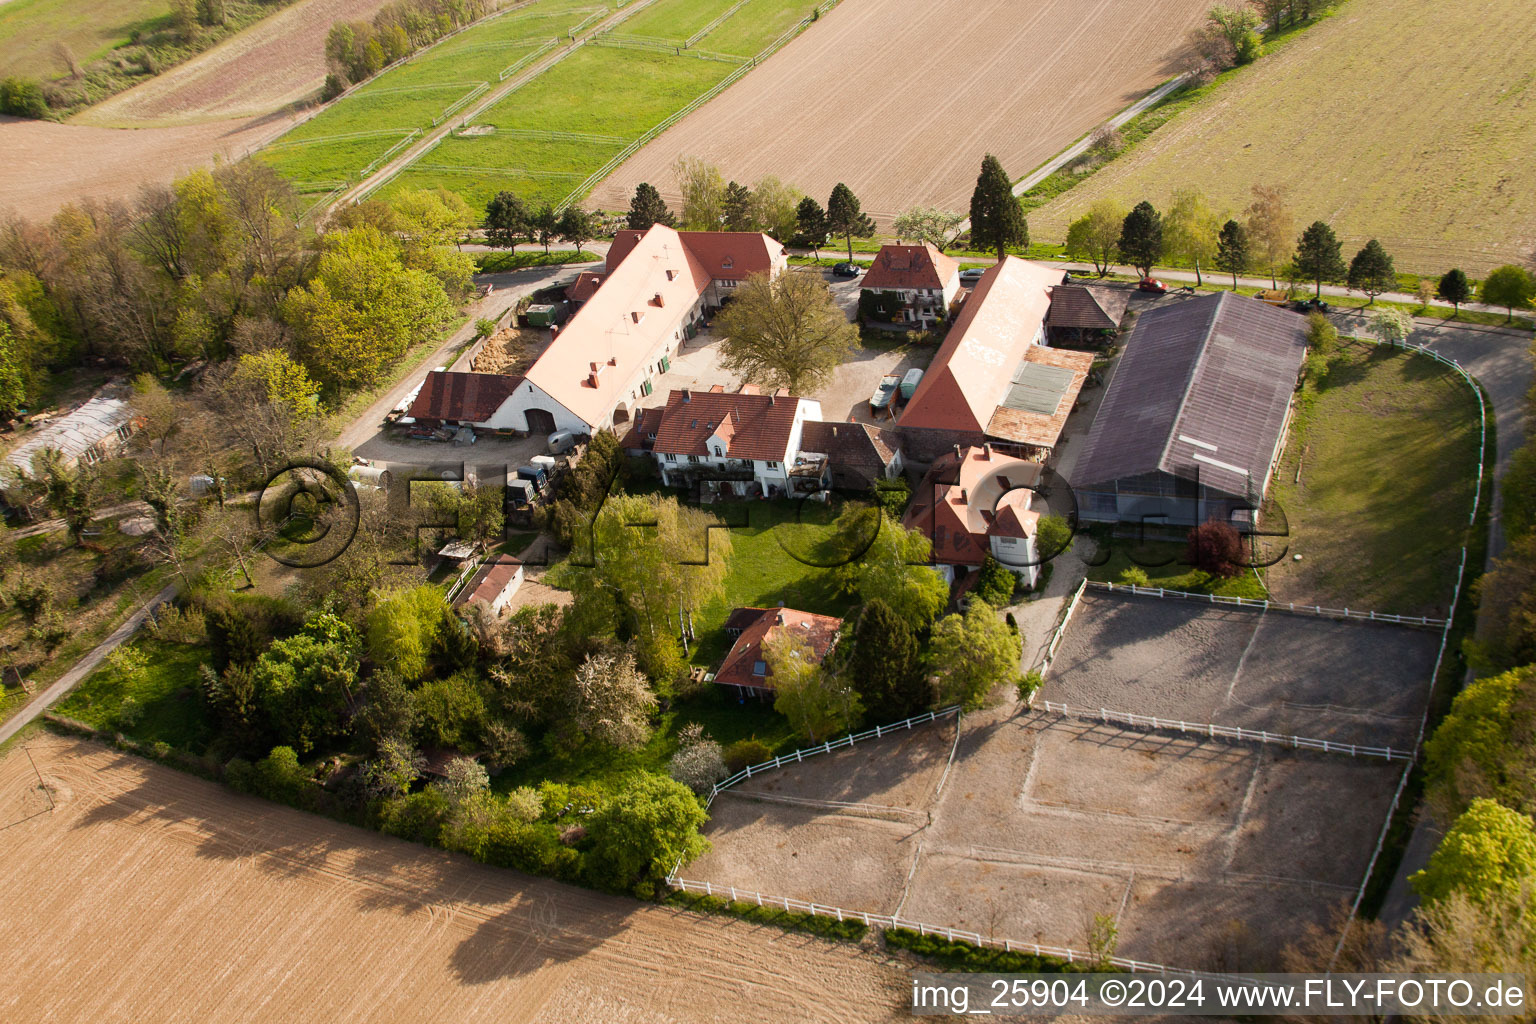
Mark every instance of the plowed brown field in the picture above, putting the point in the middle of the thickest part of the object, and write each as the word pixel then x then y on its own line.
pixel 47 165
pixel 275 62
pixel 147 894
pixel 902 98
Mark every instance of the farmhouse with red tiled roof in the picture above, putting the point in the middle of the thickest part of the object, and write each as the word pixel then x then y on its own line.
pixel 455 398
pixel 656 287
pixel 731 441
pixel 923 279
pixel 493 584
pixel 746 669
pixel 977 503
pixel 994 378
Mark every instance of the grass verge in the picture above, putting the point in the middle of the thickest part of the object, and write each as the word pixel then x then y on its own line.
pixel 790 921
pixel 501 262
pixel 967 956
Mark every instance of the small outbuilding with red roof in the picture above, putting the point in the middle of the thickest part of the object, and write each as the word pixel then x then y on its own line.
pixel 745 668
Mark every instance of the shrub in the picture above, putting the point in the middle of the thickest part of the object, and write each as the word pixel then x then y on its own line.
pixel 525 804
pixel 240 775
pixel 847 930
pixel 698 763
pixel 1029 685
pixel 1135 576
pixel 994 583
pixel 1215 547
pixel 334 86
pixel 967 956
pixel 280 777
pixel 485 327
pixel 1053 535
pixel 463 778
pixel 746 752
pixel 893 496
pixel 22 97
pixel 418 817
pixel 129 713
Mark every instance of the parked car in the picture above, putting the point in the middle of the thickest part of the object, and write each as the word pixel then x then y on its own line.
pixel 1153 285
pixel 846 269
pixel 561 441
pixel 884 392
pixel 1310 306
pixel 972 275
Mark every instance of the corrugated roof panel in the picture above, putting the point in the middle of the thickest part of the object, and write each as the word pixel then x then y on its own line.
pixel 1037 388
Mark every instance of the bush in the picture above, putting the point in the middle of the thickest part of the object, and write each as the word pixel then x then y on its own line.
pixel 994 583
pixel 334 86
pixel 1135 576
pixel 698 763
pixel 893 496
pixel 240 775
pixel 1250 48
pixel 967 956
pixel 746 752
pixel 847 930
pixel 280 777
pixel 1215 547
pixel 1029 685
pixel 22 97
pixel 418 817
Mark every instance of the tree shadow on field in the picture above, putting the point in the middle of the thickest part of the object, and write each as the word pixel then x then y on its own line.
pixel 542 927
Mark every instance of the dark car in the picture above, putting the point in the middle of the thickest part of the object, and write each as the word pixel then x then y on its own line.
pixel 846 269
pixel 972 276
pixel 1310 306
pixel 1153 285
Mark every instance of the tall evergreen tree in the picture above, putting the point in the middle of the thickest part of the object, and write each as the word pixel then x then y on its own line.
pixel 884 665
pixel 1454 288
pixel 648 208
pixel 997 219
pixel 811 225
pixel 738 207
pixel 1371 271
pixel 1141 237
pixel 1232 250
pixel 845 217
pixel 1318 257
pixel 506 221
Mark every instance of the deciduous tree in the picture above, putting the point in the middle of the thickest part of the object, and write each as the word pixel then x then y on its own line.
pixel 1216 548
pixel 403 626
pixel 997 219
pixel 1095 236
pixel 611 702
pixel 972 653
pixel 1486 745
pixel 506 220
pixel 775 208
pixel 703 190
pixel 788 332
pixel 1269 228
pixel 1511 287
pixel 892 566
pixel 1454 288
pixel 577 226
pixel 544 226
pixel 1489 853
pixel 1191 230
pixel 645 829
pixel 818 703
pixel 1392 326
pixel 930 224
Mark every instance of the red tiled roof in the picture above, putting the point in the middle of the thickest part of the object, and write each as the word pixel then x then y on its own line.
pixel 850 444
pixel 732 255
pixel 585 285
pixel 897 267
pixel 491 579
pixel 758 626
pixel 960 504
pixel 974 367
pixel 471 397
pixel 752 426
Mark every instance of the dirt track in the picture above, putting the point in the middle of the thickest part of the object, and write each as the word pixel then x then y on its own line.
pixel 47 165
pixel 275 62
pixel 147 894
pixel 902 98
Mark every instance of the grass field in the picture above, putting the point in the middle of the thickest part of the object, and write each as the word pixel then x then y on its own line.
pixel 1433 159
pixel 547 137
pixel 1388 451
pixel 30 31
pixel 351 134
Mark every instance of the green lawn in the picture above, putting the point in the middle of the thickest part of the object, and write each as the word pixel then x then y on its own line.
pixel 166 691
pixel 1388 453
pixel 674 19
pixel 498 262
pixel 1163 562
pixel 347 136
pixel 755 25
pixel 30 30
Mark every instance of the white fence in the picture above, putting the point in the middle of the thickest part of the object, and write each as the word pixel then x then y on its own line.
pixel 1272 606
pixel 796 756
pixel 891 921
pixel 1224 732
pixel 1061 628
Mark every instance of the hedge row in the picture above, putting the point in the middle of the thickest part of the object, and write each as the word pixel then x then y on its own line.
pixel 967 956
pixel 826 927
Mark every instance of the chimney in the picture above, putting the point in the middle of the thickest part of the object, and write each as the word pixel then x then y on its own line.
pixel 957 453
pixel 594 367
pixel 965 499
pixel 986 447
pixel 771 399
pixel 686 396
pixel 780 618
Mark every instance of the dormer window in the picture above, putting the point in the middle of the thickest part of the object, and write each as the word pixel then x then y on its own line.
pixel 727 263
pixel 718 450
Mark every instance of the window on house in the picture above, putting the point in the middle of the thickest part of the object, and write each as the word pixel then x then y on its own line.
pixel 693 458
pixel 773 465
pixel 671 457
pixel 718 451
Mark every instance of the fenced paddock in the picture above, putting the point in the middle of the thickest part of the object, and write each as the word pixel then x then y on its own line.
pixel 1351 682
pixel 1043 821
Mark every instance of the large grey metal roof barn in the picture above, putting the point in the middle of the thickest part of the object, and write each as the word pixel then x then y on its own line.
pixel 1195 414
